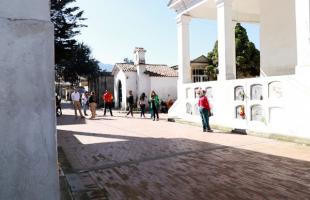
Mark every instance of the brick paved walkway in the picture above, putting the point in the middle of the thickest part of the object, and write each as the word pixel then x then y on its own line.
pixel 141 159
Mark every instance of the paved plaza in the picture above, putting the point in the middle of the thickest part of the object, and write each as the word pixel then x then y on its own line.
pixel 133 158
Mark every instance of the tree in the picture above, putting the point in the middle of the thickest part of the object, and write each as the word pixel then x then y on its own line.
pixel 72 59
pixel 128 61
pixel 247 56
pixel 81 64
pixel 212 60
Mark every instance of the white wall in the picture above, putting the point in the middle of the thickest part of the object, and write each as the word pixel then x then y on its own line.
pixel 131 84
pixel 30 9
pixel 287 115
pixel 303 38
pixel 28 158
pixel 278 37
pixel 144 81
pixel 120 76
pixel 164 86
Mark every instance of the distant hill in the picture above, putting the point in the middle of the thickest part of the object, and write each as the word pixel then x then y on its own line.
pixel 106 67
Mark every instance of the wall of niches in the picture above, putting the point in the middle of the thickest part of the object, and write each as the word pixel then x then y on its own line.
pixel 192 108
pixel 257 103
pixel 252 101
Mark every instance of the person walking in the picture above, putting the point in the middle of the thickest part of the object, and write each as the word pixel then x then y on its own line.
pixel 108 101
pixel 142 104
pixel 58 106
pixel 75 97
pixel 85 103
pixel 92 105
pixel 130 101
pixel 204 110
pixel 154 105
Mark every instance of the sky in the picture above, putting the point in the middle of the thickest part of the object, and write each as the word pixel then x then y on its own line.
pixel 115 28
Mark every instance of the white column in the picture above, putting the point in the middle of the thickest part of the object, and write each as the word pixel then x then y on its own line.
pixel 226 40
pixel 233 40
pixel 183 53
pixel 28 158
pixel 303 37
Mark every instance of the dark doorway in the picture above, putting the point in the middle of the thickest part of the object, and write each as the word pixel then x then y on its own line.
pixel 120 94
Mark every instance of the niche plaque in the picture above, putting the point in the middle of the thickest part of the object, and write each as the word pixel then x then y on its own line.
pixel 239 93
pixel 275 90
pixel 257 113
pixel 257 92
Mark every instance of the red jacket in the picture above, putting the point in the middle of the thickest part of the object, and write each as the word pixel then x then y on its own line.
pixel 107 97
pixel 203 102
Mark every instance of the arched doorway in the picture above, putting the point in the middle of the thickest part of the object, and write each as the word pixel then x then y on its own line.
pixel 120 94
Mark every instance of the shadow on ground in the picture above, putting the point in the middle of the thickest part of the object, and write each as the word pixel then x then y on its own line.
pixel 70 120
pixel 179 169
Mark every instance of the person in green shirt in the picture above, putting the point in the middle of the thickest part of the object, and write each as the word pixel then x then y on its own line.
pixel 154 105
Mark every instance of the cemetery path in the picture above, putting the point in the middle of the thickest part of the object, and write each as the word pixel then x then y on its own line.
pixel 133 158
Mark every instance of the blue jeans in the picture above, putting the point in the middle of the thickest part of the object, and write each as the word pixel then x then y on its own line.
pixel 85 107
pixel 204 113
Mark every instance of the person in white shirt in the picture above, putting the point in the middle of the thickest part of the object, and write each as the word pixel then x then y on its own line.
pixel 75 97
pixel 85 102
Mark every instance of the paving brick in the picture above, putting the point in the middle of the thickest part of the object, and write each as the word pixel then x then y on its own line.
pixel 142 159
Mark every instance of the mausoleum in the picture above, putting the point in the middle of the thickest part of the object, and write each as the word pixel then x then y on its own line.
pixel 277 101
pixel 141 77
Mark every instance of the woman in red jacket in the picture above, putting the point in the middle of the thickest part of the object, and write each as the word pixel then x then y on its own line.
pixel 204 109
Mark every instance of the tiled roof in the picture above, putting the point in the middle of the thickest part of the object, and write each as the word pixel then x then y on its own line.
pixel 171 2
pixel 160 70
pixel 200 59
pixel 126 67
pixel 150 69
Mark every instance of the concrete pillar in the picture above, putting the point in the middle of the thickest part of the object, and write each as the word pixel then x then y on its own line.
pixel 303 37
pixel 183 53
pixel 233 40
pixel 28 158
pixel 226 40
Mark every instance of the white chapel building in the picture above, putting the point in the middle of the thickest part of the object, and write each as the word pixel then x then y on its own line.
pixel 141 77
pixel 276 102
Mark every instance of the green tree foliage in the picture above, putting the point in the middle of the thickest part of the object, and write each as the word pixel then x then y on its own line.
pixel 80 63
pixel 72 59
pixel 212 60
pixel 247 56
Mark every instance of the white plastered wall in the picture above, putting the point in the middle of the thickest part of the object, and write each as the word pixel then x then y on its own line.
pixel 290 118
pixel 28 146
pixel 278 37
pixel 164 86
pixel 131 84
pixel 120 77
pixel 144 83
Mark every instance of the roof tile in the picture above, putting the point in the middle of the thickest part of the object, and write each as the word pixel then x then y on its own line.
pixel 151 69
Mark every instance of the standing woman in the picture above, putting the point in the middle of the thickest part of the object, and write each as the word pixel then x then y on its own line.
pixel 204 109
pixel 92 105
pixel 130 101
pixel 85 102
pixel 142 103
pixel 154 105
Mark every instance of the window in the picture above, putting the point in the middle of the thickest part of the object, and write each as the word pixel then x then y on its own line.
pixel 199 74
